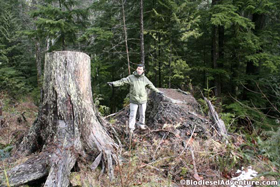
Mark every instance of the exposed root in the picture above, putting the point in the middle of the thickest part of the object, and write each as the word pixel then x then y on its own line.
pixel 34 168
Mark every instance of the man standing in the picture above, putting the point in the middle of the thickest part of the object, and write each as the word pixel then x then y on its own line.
pixel 137 94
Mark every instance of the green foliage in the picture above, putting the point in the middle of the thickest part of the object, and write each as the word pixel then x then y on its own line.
pixel 228 118
pixel 180 71
pixel 271 146
pixel 203 105
pixel 13 81
pixel 208 92
pixel 5 152
pixel 104 110
pixel 9 37
pixel 36 95
pixel 16 70
pixel 58 24
pixel 270 88
pixel 231 157
pixel 250 115
pixel 226 15
pixel 98 33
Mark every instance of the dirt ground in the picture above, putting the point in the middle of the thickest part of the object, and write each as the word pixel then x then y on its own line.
pixel 17 117
pixel 181 142
pixel 178 145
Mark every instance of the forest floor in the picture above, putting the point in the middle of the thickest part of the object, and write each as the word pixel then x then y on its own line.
pixel 155 157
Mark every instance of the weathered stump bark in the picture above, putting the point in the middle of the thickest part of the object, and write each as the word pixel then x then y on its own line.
pixel 175 107
pixel 68 126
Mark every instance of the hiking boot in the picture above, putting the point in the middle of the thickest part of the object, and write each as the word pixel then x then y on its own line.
pixel 142 126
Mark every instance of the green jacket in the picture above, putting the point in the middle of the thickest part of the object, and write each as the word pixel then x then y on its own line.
pixel 138 84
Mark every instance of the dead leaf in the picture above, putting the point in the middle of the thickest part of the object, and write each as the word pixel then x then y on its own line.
pixel 197 177
pixel 226 175
pixel 117 169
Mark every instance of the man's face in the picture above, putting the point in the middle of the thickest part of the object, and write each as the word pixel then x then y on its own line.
pixel 140 70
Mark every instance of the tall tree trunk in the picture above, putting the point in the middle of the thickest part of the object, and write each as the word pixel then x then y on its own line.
pixel 205 64
pixel 159 60
pixel 63 42
pixel 155 62
pixel 142 33
pixel 38 51
pixel 221 32
pixel 67 126
pixel 125 38
pixel 48 42
pixel 169 64
pixel 38 63
pixel 155 51
pixel 234 65
pixel 215 56
pixel 252 69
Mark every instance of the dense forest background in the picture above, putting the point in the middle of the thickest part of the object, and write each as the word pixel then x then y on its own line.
pixel 227 50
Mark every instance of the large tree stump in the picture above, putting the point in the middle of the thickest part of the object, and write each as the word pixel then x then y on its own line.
pixel 177 128
pixel 68 125
pixel 177 111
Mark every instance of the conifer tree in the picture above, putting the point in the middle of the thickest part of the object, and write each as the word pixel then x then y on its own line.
pixel 16 72
pixel 58 22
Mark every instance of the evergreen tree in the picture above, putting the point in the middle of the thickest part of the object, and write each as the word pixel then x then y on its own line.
pixel 15 68
pixel 59 23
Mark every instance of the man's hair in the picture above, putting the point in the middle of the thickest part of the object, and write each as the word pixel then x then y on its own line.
pixel 141 65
